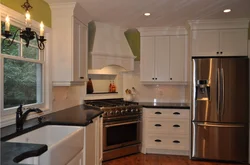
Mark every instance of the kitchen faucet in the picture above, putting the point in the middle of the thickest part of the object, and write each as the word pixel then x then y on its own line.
pixel 20 117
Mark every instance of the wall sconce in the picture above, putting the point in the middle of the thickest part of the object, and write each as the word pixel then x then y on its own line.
pixel 26 34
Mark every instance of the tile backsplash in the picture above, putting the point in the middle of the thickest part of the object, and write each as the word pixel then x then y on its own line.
pixel 148 93
pixel 65 97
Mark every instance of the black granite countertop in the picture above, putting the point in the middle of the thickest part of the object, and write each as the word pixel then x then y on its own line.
pixel 15 152
pixel 12 153
pixel 165 105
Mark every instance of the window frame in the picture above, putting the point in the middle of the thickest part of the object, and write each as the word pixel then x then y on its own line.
pixel 17 19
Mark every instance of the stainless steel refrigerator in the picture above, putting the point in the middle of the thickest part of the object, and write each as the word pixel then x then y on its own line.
pixel 220 109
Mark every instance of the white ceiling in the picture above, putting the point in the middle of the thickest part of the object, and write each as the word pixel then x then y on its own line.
pixel 129 13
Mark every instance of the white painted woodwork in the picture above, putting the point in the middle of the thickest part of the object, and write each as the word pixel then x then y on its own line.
pixel 178 52
pixel 233 42
pixel 108 46
pixel 69 40
pixel 219 38
pixel 147 58
pixel 77 160
pixel 163 57
pixel 93 150
pixel 165 131
pixel 163 13
pixel 205 42
pixel 166 113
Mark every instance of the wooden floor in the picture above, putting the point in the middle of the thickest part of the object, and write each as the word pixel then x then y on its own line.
pixel 153 159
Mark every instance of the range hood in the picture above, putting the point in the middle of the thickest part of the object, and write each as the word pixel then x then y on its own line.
pixel 108 46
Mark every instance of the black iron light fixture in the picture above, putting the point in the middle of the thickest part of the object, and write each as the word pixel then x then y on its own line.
pixel 26 34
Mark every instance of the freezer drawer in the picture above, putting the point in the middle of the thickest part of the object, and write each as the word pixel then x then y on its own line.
pixel 220 141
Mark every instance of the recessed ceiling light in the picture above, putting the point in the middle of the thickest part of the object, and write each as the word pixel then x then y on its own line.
pixel 147 14
pixel 227 10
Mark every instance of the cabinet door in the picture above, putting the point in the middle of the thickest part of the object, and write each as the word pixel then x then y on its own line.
pixel 162 58
pixel 233 42
pixel 147 58
pixel 205 42
pixel 177 58
pixel 80 50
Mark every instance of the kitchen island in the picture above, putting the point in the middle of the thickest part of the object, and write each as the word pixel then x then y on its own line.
pixel 11 153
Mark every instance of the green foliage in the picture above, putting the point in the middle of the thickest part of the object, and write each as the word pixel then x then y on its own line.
pixel 20 77
pixel 20 81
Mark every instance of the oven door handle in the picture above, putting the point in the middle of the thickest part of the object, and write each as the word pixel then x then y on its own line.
pixel 125 123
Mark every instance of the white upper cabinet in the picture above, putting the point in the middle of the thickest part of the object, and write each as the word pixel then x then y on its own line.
pixel 163 55
pixel 219 38
pixel 178 49
pixel 69 40
pixel 147 58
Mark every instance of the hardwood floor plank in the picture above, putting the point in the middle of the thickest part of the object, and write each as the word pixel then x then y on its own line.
pixel 155 159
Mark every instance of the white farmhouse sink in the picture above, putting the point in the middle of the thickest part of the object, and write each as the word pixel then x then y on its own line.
pixel 64 143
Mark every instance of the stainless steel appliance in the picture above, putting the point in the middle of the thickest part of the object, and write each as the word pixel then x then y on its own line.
pixel 121 126
pixel 220 109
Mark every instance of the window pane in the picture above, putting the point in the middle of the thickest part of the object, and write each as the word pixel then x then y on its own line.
pixel 13 50
pixel 30 52
pixel 13 29
pixel 22 83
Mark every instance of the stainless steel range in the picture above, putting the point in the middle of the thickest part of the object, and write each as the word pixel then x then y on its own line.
pixel 121 126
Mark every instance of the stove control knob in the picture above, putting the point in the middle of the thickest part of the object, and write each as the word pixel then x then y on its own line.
pixel 117 112
pixel 122 111
pixel 126 110
pixel 131 110
pixel 137 110
pixel 111 112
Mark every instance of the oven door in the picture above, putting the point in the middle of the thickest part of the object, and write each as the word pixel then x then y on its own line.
pixel 121 133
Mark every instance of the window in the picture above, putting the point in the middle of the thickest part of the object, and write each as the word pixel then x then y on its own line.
pixel 22 73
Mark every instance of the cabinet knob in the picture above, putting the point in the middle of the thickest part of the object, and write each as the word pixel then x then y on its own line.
pixel 153 78
pixel 157 140
pixel 170 78
pixel 81 77
pixel 158 125
pixel 176 125
pixel 157 113
pixel 176 113
pixel 221 52
pixel 217 52
pixel 176 141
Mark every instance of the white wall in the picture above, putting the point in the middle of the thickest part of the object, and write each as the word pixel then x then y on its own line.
pixel 147 93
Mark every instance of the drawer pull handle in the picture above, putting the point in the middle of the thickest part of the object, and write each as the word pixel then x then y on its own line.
pixel 176 125
pixel 176 141
pixel 176 113
pixel 157 113
pixel 81 77
pixel 157 140
pixel 158 125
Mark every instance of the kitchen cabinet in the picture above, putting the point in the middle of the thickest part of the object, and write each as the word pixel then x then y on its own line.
pixel 163 59
pixel 70 42
pixel 232 42
pixel 219 37
pixel 93 142
pixel 166 131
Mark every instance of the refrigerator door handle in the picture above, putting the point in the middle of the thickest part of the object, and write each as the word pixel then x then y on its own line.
pixel 222 92
pixel 218 92
pixel 221 125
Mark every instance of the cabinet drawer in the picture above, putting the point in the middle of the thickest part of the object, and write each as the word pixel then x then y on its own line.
pixel 164 142
pixel 166 113
pixel 172 127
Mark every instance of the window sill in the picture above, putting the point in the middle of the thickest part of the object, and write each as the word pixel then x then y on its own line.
pixel 11 119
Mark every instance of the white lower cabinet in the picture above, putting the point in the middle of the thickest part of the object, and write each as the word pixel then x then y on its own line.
pixel 166 131
pixel 77 160
pixel 93 143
